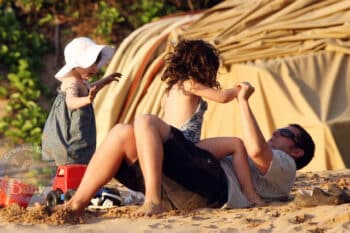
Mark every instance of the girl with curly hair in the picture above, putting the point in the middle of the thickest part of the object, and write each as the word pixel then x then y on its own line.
pixel 191 75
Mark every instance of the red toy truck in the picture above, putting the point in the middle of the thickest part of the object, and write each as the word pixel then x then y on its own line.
pixel 66 181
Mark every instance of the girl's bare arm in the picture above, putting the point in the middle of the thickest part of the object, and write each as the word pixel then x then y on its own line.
pixel 106 80
pixel 217 95
pixel 74 100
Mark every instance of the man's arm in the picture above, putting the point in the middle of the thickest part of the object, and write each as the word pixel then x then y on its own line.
pixel 258 149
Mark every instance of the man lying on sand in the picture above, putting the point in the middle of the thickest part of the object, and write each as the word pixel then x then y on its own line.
pixel 272 163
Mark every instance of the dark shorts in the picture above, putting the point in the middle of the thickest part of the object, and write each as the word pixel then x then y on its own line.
pixel 194 168
pixel 188 165
pixel 131 176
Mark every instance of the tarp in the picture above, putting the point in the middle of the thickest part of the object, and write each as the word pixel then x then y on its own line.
pixel 295 53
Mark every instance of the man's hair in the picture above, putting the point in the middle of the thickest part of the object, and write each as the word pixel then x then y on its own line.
pixel 194 59
pixel 306 143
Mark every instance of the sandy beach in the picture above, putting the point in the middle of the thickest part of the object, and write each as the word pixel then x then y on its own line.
pixel 289 216
pixel 295 54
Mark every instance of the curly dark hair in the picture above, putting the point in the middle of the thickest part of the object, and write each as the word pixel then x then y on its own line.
pixel 195 59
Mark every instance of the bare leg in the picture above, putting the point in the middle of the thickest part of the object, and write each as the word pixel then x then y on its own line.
pixel 118 144
pixel 150 132
pixel 224 146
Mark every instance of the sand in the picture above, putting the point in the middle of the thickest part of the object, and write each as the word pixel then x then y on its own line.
pixel 288 216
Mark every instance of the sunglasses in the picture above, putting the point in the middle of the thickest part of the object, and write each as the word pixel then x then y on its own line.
pixel 284 132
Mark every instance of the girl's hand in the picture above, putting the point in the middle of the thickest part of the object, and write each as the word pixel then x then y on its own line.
pixel 114 77
pixel 92 93
pixel 245 90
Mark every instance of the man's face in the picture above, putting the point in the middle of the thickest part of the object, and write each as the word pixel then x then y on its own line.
pixel 284 139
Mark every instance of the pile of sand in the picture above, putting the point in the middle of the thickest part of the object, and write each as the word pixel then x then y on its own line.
pixel 275 217
pixel 39 215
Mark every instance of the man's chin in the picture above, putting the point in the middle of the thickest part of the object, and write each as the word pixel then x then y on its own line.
pixel 270 143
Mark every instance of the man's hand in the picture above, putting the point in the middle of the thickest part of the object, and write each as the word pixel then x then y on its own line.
pixel 245 91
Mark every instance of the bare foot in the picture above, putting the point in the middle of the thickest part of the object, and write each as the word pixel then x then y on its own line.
pixel 69 206
pixel 256 199
pixel 65 214
pixel 149 209
pixel 37 205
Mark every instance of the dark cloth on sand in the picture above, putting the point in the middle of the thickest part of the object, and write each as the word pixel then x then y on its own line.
pixel 189 174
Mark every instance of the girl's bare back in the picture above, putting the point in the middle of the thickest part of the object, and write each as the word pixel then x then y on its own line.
pixel 178 106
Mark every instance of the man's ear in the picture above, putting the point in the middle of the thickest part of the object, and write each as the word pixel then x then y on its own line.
pixel 297 153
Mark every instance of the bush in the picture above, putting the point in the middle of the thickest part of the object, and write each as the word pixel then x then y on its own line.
pixel 20 52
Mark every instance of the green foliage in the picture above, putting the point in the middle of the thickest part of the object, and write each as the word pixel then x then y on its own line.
pixel 3 90
pixel 24 117
pixel 17 43
pixel 46 19
pixel 32 4
pixel 146 11
pixel 108 17
pixel 21 48
pixel 20 53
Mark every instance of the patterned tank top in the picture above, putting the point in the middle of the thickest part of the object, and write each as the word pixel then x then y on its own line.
pixel 192 128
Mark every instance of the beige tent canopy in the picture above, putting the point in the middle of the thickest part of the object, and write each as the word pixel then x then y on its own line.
pixel 296 54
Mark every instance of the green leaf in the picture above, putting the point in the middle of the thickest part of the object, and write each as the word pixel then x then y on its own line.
pixel 36 131
pixel 27 125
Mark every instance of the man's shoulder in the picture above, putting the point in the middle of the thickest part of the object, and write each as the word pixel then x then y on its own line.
pixel 279 178
pixel 281 155
pixel 282 162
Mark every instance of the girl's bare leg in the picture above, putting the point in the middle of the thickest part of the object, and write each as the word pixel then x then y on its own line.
pixel 150 132
pixel 224 146
pixel 118 144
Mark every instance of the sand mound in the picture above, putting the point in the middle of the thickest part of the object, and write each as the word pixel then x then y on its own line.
pixel 276 217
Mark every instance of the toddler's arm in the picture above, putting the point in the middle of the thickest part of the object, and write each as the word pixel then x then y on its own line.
pixel 106 80
pixel 74 100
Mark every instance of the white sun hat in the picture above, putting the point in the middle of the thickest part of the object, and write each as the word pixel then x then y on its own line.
pixel 83 52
